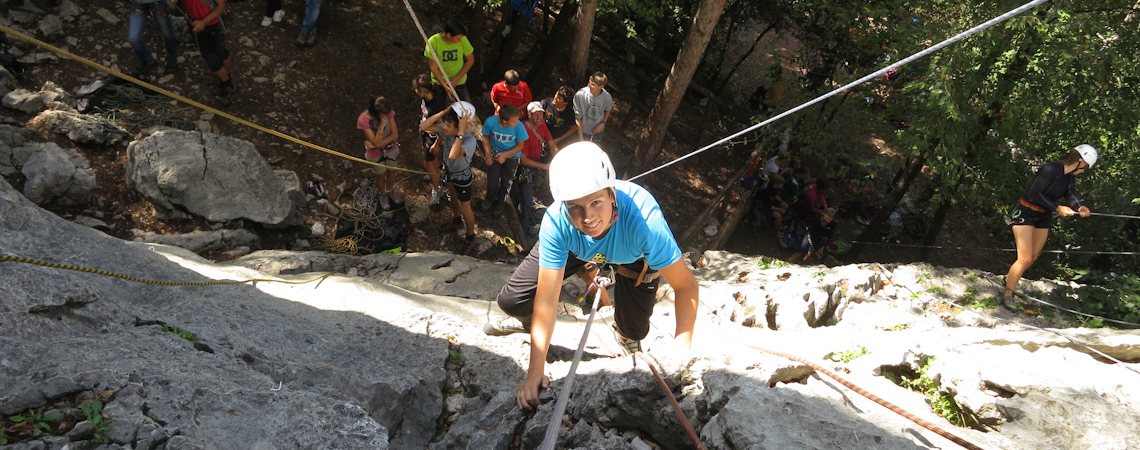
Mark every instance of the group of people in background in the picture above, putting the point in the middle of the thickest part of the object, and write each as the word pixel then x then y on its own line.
pixel 516 140
pixel 794 203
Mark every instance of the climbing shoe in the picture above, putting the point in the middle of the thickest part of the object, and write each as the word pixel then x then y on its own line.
pixel 631 346
pixel 505 326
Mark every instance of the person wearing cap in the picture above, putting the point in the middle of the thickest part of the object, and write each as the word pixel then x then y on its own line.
pixel 600 220
pixel 531 166
pixel 456 142
pixel 511 90
pixel 1032 216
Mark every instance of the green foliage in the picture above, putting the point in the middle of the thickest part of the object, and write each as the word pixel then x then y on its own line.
pixel 771 263
pixel 93 411
pixel 453 357
pixel 937 290
pixel 899 327
pixel 940 403
pixel 37 419
pixel 848 355
pixel 182 333
pixel 3 436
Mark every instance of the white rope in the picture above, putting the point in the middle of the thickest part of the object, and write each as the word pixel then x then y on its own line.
pixel 848 86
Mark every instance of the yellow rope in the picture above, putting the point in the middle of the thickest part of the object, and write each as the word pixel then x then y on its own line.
pixel 94 65
pixel 107 273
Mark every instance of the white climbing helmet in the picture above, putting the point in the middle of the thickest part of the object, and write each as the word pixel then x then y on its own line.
pixel 463 109
pixel 1088 153
pixel 578 170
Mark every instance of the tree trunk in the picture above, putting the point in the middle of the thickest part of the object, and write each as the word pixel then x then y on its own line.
pixel 518 32
pixel 698 224
pixel 552 50
pixel 476 29
pixel 580 48
pixel 653 133
pixel 724 82
pixel 874 231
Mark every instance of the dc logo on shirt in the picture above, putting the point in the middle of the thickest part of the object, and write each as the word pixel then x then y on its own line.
pixel 449 55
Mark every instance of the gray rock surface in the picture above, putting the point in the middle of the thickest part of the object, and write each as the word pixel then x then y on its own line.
pixel 54 175
pixel 8 82
pixel 80 128
pixel 203 241
pixel 386 353
pixel 49 96
pixel 211 176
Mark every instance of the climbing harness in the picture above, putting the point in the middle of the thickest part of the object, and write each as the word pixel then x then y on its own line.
pixel 852 84
pixel 145 85
pixel 134 279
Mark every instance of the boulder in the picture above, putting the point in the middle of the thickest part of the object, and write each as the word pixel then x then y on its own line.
pixel 8 81
pixel 11 138
pixel 203 241
pixel 48 97
pixel 55 175
pixel 80 128
pixel 215 177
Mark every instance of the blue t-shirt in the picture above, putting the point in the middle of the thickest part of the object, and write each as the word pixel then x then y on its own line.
pixel 639 232
pixel 503 139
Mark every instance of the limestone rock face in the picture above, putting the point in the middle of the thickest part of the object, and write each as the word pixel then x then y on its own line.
pixel 49 96
pixel 80 128
pixel 55 175
pixel 211 176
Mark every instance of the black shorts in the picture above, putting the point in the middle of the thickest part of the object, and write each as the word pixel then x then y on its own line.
pixel 212 44
pixel 462 189
pixel 633 303
pixel 1023 215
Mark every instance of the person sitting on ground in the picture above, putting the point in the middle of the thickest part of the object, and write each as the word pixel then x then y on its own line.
pixel 769 204
pixel 502 148
pixel 814 201
pixel 210 35
pixel 456 140
pixel 794 185
pixel 808 237
pixel 532 167
pixel 381 145
pixel 600 220
pixel 1032 216
pixel 432 101
pixel 592 107
pixel 775 165
pixel 511 90
pixel 308 36
pixel 560 116
pixel 456 56
pixel 140 10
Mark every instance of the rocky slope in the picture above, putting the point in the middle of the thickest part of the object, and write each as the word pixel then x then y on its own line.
pixel 387 352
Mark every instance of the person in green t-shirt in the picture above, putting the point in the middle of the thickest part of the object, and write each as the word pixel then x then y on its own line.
pixel 455 54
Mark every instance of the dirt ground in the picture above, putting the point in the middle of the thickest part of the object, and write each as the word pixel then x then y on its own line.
pixel 367 48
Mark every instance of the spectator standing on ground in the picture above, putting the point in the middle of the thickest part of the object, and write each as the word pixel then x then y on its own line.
pixel 210 35
pixel 456 55
pixel 595 220
pixel 502 150
pixel 308 36
pixel 432 100
pixel 378 123
pixel 511 90
pixel 140 10
pixel 560 116
pixel 531 172
pixel 457 143
pixel 273 12
pixel 592 106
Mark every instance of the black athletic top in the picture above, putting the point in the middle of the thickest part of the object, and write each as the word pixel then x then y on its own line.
pixel 1050 186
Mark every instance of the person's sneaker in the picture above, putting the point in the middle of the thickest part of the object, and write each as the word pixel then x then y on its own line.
pixel 630 346
pixel 226 92
pixel 311 39
pixel 436 195
pixel 266 21
pixel 505 327
pixel 142 69
pixel 278 15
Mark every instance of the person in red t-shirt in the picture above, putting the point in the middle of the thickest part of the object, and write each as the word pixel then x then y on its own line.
pixel 532 170
pixel 209 33
pixel 511 90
